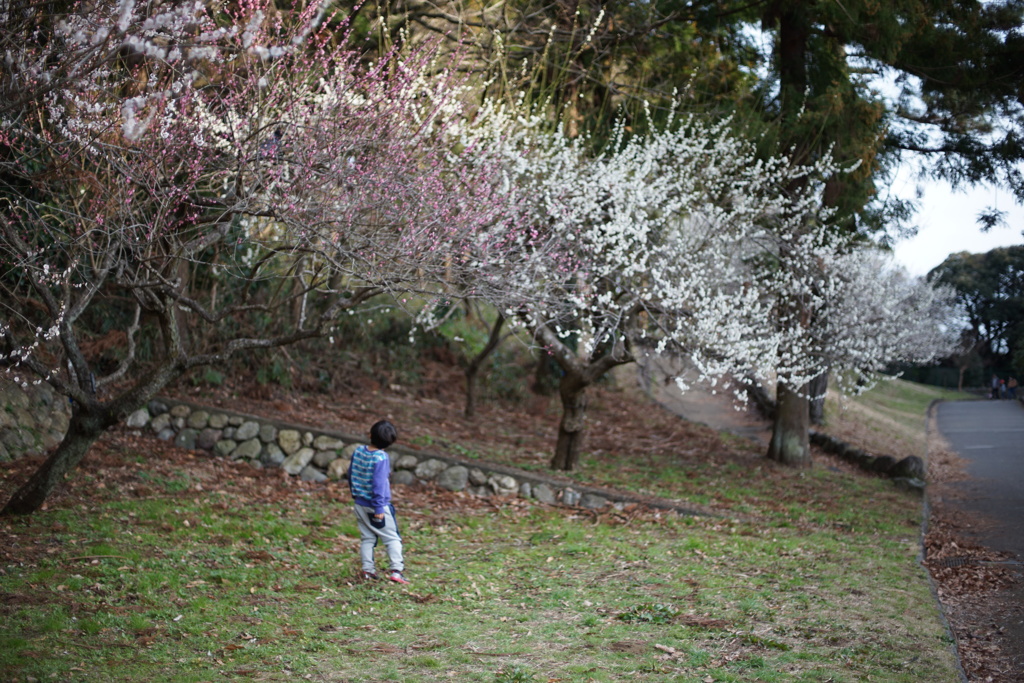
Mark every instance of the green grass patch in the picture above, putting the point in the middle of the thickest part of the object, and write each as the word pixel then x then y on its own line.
pixel 801 576
pixel 129 592
pixel 890 418
pixel 906 402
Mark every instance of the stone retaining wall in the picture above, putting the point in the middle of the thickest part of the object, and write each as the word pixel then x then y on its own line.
pixel 321 455
pixel 908 473
pixel 33 417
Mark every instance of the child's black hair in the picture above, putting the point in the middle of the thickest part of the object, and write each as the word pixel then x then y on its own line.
pixel 383 434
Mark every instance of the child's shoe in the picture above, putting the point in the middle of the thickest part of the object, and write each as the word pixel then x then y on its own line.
pixel 368 576
pixel 397 577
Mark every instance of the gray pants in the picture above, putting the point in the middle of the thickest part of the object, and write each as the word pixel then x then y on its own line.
pixel 388 533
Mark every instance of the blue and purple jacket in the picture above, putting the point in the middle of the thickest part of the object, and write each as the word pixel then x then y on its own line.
pixel 368 479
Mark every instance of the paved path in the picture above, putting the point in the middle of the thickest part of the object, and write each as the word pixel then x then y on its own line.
pixel 990 436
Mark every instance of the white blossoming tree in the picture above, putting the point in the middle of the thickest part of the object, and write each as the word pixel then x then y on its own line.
pixel 880 315
pixel 647 241
pixel 195 183
pixel 685 241
pixel 843 311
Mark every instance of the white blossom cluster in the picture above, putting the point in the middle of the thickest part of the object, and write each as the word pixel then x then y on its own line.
pixel 685 238
pixel 647 237
pixel 876 314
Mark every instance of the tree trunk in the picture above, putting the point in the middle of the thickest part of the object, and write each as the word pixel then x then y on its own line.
pixel 758 395
pixel 790 443
pixel 816 390
pixel 83 431
pixel 540 384
pixel 578 375
pixel 473 369
pixel 572 428
pixel 470 410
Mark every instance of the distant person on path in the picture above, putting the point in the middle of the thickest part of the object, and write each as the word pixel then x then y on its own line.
pixel 1011 386
pixel 369 480
pixel 1002 388
pixel 995 387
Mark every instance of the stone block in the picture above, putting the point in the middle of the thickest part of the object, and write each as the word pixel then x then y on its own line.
pixel 186 438
pixel 208 438
pixel 198 420
pixel 338 469
pixel 406 462
pixel 161 422
pixel 249 449
pixel 327 443
pixel 224 447
pixel 218 420
pixel 910 467
pixel 181 411
pixel 13 440
pixel 403 477
pixel 503 484
pixel 477 477
pixel 138 419
pixel 61 421
pixel 592 501
pixel 268 433
pixel 311 473
pixel 545 494
pixel 272 455
pixel 454 478
pixel 250 429
pixel 324 458
pixel 883 463
pixel 289 440
pixel 570 497
pixel 526 490
pixel 430 469
pixel 23 417
pixel 157 407
pixel 294 463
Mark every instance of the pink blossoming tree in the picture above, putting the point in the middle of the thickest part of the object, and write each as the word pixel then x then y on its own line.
pixel 198 184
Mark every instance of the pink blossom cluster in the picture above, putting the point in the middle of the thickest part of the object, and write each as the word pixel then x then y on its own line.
pixel 169 151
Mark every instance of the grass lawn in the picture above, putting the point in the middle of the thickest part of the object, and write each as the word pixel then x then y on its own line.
pixel 890 418
pixel 157 564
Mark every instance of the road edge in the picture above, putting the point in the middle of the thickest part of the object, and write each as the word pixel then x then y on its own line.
pixel 922 556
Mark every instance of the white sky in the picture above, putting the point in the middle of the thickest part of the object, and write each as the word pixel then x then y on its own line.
pixel 947 224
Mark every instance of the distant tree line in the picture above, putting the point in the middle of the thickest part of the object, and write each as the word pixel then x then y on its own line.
pixel 989 291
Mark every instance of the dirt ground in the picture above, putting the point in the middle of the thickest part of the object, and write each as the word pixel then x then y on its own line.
pixel 976 592
pixel 981 593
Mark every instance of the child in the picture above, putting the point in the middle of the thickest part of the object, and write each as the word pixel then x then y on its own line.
pixel 371 490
